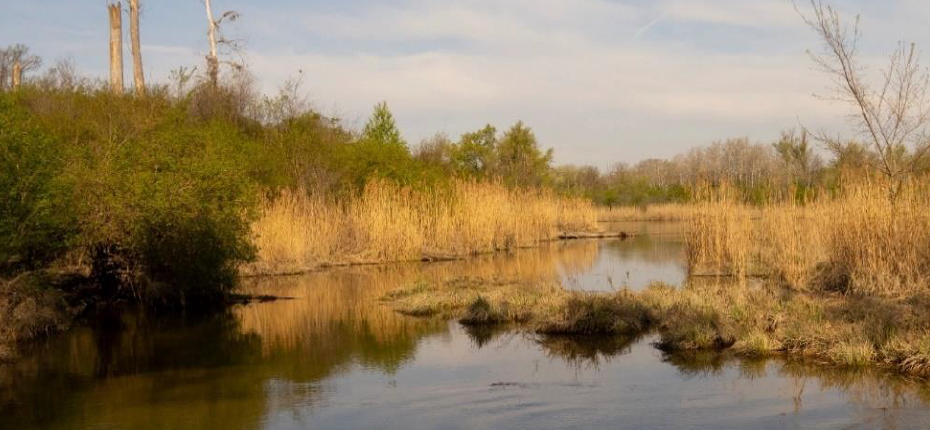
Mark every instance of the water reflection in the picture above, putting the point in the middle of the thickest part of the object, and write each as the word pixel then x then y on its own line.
pixel 632 263
pixel 335 357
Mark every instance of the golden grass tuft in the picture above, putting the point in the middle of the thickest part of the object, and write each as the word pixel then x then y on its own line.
pixel 298 231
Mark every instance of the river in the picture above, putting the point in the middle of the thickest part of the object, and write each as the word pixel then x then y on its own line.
pixel 333 356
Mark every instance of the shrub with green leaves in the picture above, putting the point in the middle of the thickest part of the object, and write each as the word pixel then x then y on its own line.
pixel 35 227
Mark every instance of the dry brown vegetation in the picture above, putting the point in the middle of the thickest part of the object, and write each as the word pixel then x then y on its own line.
pixel 655 212
pixel 857 242
pixel 844 280
pixel 298 231
pixel 29 308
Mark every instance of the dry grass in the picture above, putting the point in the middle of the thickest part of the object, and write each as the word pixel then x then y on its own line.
pixel 29 308
pixel 750 319
pixel 859 242
pixel 847 278
pixel 298 232
pixel 656 212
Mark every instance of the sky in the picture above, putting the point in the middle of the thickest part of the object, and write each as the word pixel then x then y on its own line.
pixel 600 81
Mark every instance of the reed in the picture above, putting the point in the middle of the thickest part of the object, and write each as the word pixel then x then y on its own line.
pixel 654 212
pixel 299 231
pixel 859 241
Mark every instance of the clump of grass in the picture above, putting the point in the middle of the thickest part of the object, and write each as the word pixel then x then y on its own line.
pixel 481 312
pixel 853 353
pixel 757 343
pixel 477 300
pixel 593 313
pixel 690 327
pixel 298 231
pixel 909 354
pixel 30 308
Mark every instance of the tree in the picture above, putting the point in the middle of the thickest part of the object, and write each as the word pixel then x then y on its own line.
pixel 519 159
pixel 116 47
pixel 138 75
pixel 473 156
pixel 798 156
pixel 894 117
pixel 216 39
pixel 381 127
pixel 12 55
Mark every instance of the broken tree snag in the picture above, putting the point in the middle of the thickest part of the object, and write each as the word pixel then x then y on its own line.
pixel 213 63
pixel 116 48
pixel 17 75
pixel 137 74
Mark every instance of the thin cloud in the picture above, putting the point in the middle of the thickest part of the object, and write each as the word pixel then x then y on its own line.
pixel 642 30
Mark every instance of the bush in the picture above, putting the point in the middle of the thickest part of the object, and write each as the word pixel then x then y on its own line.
pixel 150 194
pixel 34 227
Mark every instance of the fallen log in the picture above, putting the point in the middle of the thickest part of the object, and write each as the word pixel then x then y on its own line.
pixel 594 235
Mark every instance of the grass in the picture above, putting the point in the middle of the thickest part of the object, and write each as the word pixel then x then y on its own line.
pixel 748 319
pixel 298 231
pixel 29 307
pixel 858 242
pixel 655 212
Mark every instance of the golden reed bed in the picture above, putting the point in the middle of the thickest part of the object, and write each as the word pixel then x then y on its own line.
pixel 298 231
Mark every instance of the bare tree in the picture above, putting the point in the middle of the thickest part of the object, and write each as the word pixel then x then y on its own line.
pixel 893 117
pixel 116 47
pixel 216 39
pixel 138 75
pixel 9 57
pixel 17 75
pixel 798 156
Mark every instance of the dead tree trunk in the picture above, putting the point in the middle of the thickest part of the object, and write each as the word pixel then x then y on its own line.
pixel 213 63
pixel 116 48
pixel 138 75
pixel 17 75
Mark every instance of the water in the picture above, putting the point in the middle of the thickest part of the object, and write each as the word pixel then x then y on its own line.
pixel 335 357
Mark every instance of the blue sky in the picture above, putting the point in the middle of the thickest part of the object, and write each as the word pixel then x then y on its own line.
pixel 598 80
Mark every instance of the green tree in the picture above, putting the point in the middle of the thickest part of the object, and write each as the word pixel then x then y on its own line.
pixel 381 127
pixel 473 156
pixel 519 159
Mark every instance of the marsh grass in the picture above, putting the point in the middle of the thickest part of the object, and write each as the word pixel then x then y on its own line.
pixel 654 212
pixel 858 241
pixel 598 314
pixel 749 319
pixel 29 307
pixel 298 231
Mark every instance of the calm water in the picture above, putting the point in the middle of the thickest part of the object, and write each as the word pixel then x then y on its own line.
pixel 334 357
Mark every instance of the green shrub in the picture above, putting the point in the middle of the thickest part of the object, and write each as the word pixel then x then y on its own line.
pixel 34 226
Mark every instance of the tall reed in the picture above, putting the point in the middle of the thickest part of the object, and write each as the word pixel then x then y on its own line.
pixel 653 212
pixel 298 231
pixel 857 241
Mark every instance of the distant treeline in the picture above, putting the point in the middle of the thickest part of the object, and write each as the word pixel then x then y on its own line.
pixel 791 167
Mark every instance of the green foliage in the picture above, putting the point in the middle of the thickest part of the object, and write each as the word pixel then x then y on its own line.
pixel 519 161
pixel 157 193
pixel 474 155
pixel 381 128
pixel 153 195
pixel 366 159
pixel 34 226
